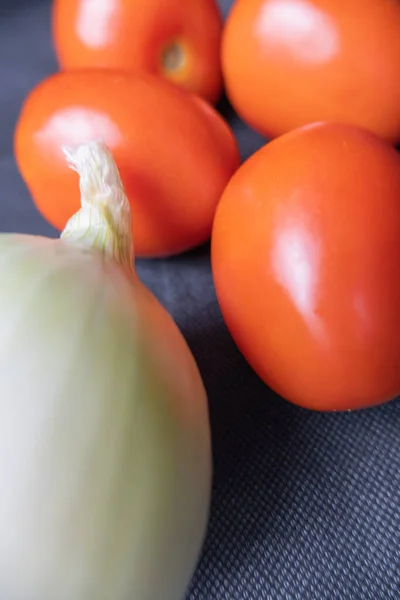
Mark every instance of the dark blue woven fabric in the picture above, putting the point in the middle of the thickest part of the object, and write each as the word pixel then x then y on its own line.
pixel 305 505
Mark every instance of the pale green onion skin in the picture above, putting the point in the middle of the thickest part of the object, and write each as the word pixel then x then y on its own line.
pixel 105 451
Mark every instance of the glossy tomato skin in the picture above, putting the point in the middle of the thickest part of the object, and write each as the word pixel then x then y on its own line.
pixel 137 35
pixel 287 63
pixel 305 258
pixel 174 151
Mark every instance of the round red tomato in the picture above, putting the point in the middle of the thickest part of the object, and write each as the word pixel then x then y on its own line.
pixel 178 40
pixel 287 63
pixel 174 151
pixel 305 257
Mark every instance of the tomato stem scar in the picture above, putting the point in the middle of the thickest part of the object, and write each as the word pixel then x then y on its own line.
pixel 173 57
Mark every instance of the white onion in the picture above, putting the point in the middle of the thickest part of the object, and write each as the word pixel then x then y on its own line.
pixel 105 454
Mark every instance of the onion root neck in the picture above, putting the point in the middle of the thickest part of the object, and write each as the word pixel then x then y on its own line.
pixel 104 221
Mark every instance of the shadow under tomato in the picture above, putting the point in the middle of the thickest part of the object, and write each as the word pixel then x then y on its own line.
pixel 249 141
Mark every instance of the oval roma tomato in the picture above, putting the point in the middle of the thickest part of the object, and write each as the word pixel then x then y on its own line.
pixel 305 257
pixel 175 39
pixel 287 63
pixel 174 151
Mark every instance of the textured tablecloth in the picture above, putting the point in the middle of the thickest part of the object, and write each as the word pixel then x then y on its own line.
pixel 305 505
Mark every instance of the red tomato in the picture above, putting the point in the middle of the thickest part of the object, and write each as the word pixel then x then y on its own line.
pixel 175 153
pixel 306 261
pixel 287 63
pixel 175 39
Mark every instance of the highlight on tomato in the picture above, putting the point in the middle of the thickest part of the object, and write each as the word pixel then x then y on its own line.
pixel 174 151
pixel 305 258
pixel 178 40
pixel 287 63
